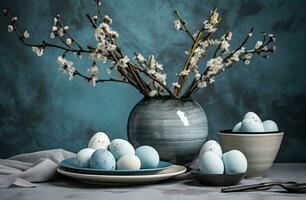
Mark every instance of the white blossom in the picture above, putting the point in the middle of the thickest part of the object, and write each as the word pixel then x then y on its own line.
pixel 176 85
pixel 14 19
pixel 225 46
pixel 55 20
pixel 184 72
pixel 54 28
pixel 140 58
pixel 38 50
pixel 68 41
pixel 107 19
pixel 26 34
pixel 177 24
pixel 95 17
pixel 202 84
pixel 66 28
pixel 110 47
pixel 93 71
pixel 248 56
pixel 66 67
pixel 60 32
pixel 108 70
pixel 214 65
pixel 123 62
pixel 10 28
pixel 153 93
pixel 258 44
pixel 250 34
pixel 228 36
pixel 98 57
pixel 52 35
pixel 247 62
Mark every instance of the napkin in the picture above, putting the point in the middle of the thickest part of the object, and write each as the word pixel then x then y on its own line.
pixel 25 169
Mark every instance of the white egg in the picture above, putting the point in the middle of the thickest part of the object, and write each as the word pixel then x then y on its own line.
pixel 128 162
pixel 82 157
pixel 251 125
pixel 99 141
pixel 210 145
pixel 253 116
pixel 270 126
pixel 120 147
pixel 237 127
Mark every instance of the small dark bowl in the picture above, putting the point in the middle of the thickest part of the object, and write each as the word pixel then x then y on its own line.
pixel 218 179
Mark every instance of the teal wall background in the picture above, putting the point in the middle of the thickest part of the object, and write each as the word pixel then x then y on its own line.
pixel 41 109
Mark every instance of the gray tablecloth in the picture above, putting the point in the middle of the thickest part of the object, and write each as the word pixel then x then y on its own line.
pixel 25 169
pixel 179 189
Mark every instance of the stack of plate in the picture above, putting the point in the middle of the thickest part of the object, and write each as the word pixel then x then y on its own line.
pixel 163 171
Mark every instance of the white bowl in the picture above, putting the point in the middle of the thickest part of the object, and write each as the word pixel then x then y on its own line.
pixel 260 149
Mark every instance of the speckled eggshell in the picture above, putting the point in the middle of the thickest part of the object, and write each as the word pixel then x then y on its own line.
pixel 128 162
pixel 82 157
pixel 211 145
pixel 251 125
pixel 234 162
pixel 270 126
pixel 252 115
pixel 237 127
pixel 99 141
pixel 120 147
pixel 148 156
pixel 102 159
pixel 211 163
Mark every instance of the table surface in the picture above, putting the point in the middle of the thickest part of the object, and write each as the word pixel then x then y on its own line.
pixel 178 188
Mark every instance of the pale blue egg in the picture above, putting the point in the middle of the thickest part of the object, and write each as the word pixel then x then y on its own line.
pixel 253 116
pixel 120 147
pixel 237 127
pixel 102 159
pixel 270 126
pixel 251 125
pixel 148 156
pixel 211 163
pixel 234 162
pixel 82 157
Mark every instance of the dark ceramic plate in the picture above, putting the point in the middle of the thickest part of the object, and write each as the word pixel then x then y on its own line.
pixel 69 165
pixel 231 132
pixel 218 179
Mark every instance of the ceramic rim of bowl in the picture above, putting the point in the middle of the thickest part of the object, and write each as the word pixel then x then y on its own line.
pixel 250 134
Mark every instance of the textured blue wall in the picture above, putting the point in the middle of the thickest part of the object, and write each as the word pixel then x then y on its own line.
pixel 40 108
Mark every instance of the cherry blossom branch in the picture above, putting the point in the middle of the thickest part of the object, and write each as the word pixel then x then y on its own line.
pixel 184 24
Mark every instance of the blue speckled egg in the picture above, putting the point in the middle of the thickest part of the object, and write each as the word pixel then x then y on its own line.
pixel 82 157
pixel 251 125
pixel 99 141
pixel 211 163
pixel 120 147
pixel 253 116
pixel 102 159
pixel 128 162
pixel 270 126
pixel 237 127
pixel 148 156
pixel 234 162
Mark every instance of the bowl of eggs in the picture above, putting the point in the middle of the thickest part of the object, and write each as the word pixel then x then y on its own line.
pixel 258 140
pixel 216 169
pixel 116 157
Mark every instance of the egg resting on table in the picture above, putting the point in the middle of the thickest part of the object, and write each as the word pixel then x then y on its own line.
pixel 234 162
pixel 128 162
pixel 102 159
pixel 82 157
pixel 120 147
pixel 148 156
pixel 99 141
pixel 211 163
pixel 270 126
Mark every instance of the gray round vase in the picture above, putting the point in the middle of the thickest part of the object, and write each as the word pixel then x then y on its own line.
pixel 176 128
